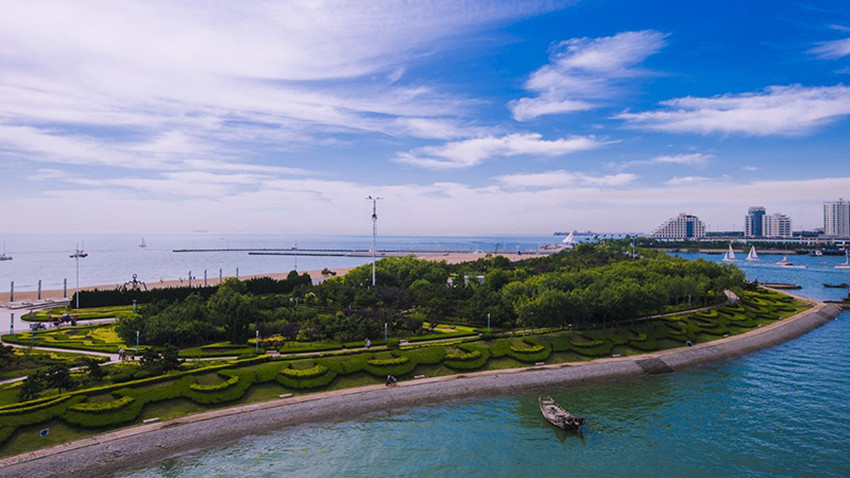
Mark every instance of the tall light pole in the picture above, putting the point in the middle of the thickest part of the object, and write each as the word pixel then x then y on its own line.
pixel 374 231
pixel 78 253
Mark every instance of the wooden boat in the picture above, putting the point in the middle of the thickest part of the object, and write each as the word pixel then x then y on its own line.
pixel 556 415
pixel 843 285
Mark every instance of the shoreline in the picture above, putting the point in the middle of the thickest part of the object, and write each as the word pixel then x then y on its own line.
pixel 127 448
pixel 316 275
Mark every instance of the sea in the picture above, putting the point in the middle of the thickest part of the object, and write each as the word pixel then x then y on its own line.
pixel 115 258
pixel 779 412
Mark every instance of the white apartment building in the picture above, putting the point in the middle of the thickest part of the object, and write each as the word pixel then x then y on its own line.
pixel 684 226
pixel 776 225
pixel 836 218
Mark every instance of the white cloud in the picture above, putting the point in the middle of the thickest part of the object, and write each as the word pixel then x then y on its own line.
pixel 189 80
pixel 831 50
pixel 409 208
pixel 561 178
pixel 750 168
pixel 779 110
pixel 470 152
pixel 680 180
pixel 695 159
pixel 583 70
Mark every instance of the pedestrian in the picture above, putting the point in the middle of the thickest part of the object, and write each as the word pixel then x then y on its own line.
pixel 368 343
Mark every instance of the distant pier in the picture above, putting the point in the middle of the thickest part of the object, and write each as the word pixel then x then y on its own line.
pixel 291 251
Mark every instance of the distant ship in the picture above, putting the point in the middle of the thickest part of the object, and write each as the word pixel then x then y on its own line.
pixel 4 257
pixel 78 253
pixel 142 244
pixel 786 263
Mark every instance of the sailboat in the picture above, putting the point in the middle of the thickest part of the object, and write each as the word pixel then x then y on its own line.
pixel 4 257
pixel 78 253
pixel 752 256
pixel 846 264
pixel 730 255
pixel 142 244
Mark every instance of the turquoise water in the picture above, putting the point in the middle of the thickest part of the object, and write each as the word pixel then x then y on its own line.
pixel 780 412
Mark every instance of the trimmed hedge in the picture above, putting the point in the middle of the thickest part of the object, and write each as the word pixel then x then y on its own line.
pixel 388 362
pixel 306 383
pixel 312 372
pixel 215 387
pixel 464 357
pixel 103 407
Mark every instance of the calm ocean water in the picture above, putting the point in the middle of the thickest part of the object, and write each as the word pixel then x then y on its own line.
pixel 113 259
pixel 779 412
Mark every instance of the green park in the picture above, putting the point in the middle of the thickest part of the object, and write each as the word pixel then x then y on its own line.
pixel 187 350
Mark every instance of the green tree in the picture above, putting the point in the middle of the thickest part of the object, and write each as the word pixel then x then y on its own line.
pixel 160 360
pixel 59 376
pixel 31 386
pixel 231 310
pixel 93 368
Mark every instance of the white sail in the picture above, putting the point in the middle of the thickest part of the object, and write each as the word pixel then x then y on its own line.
pixel 846 264
pixel 752 256
pixel 142 244
pixel 569 239
pixel 730 255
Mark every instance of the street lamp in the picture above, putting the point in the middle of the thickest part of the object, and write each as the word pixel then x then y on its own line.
pixel 78 253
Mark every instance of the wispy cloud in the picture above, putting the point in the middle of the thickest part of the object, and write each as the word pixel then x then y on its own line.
pixel 192 80
pixel 750 168
pixel 529 205
pixel 680 180
pixel 831 50
pixel 582 71
pixel 779 110
pixel 694 159
pixel 561 178
pixel 470 152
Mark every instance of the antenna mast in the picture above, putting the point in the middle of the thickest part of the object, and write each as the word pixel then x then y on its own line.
pixel 374 231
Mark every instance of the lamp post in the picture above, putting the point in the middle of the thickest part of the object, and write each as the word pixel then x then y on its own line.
pixel 374 231
pixel 78 253
pixel 137 339
pixel 257 343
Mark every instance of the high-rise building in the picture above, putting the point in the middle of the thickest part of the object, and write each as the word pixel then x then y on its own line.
pixel 836 218
pixel 776 225
pixel 753 222
pixel 685 226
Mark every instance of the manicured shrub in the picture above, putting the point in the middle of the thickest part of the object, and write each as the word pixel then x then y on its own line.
pixel 102 407
pixel 42 403
pixel 463 357
pixel 306 383
pixel 312 372
pixel 215 387
pixel 388 362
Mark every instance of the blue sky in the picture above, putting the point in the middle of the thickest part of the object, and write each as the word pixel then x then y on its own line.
pixel 467 117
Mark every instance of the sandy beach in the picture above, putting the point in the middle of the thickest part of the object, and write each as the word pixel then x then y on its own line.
pixel 144 445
